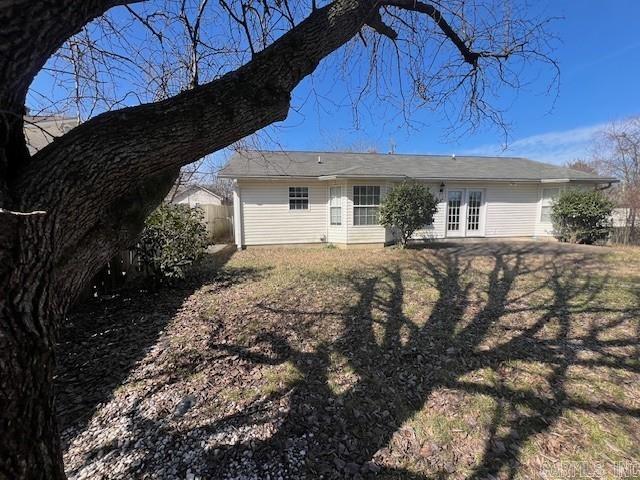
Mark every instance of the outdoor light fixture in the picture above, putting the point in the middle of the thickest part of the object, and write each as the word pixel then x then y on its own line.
pixel 442 187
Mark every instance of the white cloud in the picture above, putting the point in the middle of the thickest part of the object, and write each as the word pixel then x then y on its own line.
pixel 553 147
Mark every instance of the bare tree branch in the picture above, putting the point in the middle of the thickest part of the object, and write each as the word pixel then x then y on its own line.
pixel 99 181
pixel 469 56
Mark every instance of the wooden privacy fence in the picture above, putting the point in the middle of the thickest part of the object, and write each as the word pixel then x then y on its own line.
pixel 219 222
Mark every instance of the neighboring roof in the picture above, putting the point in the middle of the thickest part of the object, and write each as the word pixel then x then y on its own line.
pixel 40 130
pixel 328 165
pixel 191 188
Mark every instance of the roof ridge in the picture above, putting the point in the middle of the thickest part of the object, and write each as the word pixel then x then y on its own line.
pixel 321 152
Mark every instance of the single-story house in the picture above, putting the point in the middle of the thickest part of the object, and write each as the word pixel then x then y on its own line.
pixel 195 195
pixel 328 197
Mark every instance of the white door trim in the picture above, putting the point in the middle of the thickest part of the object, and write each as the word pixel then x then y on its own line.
pixel 332 235
pixel 464 212
pixel 481 214
pixel 462 223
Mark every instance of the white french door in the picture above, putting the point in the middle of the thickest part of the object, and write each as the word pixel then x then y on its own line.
pixel 455 223
pixel 465 212
pixel 475 218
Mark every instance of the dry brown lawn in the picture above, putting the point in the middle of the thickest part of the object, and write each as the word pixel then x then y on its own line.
pixel 474 361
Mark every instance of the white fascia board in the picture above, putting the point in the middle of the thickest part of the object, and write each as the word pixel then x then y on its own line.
pixel 555 180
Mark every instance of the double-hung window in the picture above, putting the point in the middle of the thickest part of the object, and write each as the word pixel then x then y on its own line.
pixel 548 196
pixel 366 203
pixel 335 205
pixel 298 198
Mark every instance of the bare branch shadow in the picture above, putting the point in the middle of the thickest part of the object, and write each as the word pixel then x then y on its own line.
pixel 397 373
pixel 397 365
pixel 102 339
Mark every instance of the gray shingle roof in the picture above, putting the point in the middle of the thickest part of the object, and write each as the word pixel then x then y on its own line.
pixel 40 131
pixel 258 164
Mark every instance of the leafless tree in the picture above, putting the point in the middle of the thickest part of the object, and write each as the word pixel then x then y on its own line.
pixel 616 152
pixel 202 172
pixel 223 187
pixel 65 210
pixel 582 166
pixel 338 144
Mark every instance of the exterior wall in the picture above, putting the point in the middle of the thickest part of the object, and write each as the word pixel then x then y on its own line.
pixel 266 218
pixel 512 210
pixel 238 226
pixel 509 210
pixel 365 233
pixel 199 197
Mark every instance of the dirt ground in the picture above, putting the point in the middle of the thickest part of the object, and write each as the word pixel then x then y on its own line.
pixel 464 361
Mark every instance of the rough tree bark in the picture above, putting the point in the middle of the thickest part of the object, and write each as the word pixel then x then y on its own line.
pixel 97 184
pixel 66 210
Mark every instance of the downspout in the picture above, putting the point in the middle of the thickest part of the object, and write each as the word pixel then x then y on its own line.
pixel 605 187
pixel 237 215
pixel 327 208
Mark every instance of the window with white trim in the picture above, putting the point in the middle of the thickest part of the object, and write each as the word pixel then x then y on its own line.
pixel 548 196
pixel 366 204
pixel 298 198
pixel 335 205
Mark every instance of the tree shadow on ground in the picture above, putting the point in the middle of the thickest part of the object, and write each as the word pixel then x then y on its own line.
pixel 398 364
pixel 398 369
pixel 103 338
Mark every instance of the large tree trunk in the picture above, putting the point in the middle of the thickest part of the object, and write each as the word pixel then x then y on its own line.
pixel 67 209
pixel 35 296
pixel 95 186
pixel 29 441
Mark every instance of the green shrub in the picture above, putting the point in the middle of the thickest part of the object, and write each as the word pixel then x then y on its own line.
pixel 174 237
pixel 406 208
pixel 582 216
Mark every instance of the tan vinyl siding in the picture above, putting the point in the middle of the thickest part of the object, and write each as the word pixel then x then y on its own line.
pixel 364 233
pixel 511 210
pixel 266 217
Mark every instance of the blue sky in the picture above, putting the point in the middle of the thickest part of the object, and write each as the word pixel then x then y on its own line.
pixel 599 55
pixel 598 52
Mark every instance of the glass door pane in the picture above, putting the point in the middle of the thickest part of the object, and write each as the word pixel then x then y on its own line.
pixel 473 210
pixel 335 205
pixel 454 203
